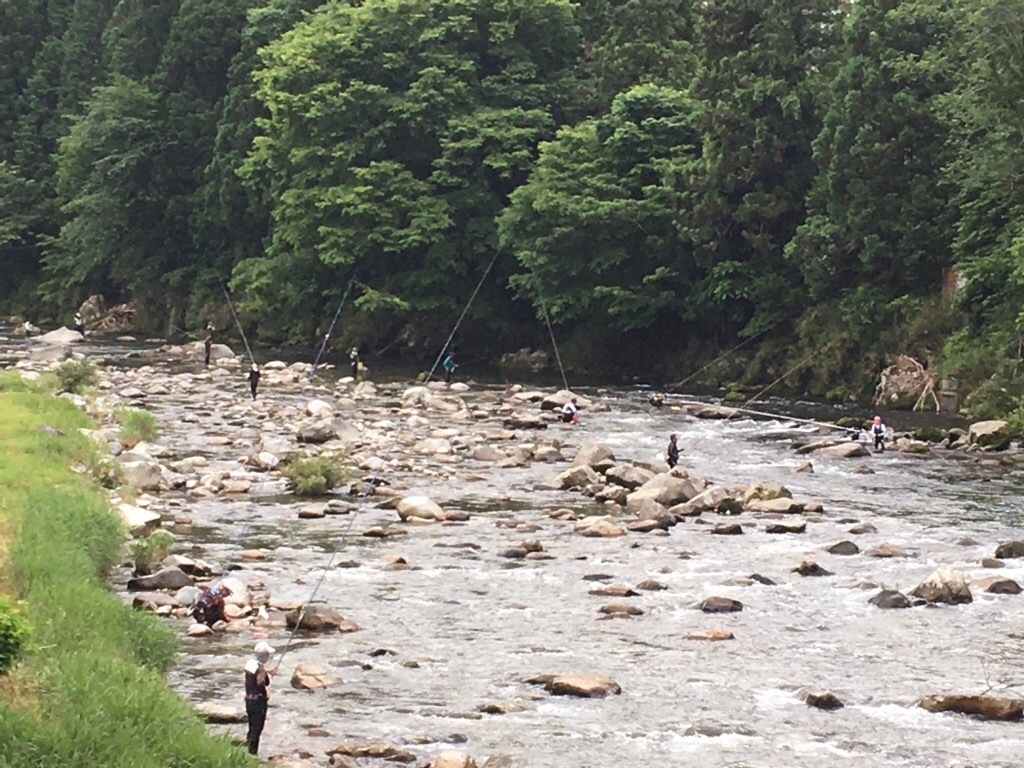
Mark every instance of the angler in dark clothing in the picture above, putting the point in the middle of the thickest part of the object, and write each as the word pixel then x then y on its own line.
pixel 209 608
pixel 257 679
pixel 254 379
pixel 672 454
pixel 353 357
pixel 657 400
pixel 449 366
pixel 79 324
pixel 207 348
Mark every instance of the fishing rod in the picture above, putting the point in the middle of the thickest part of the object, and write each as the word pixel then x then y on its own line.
pixel 718 359
pixel 551 332
pixel 330 330
pixel 783 417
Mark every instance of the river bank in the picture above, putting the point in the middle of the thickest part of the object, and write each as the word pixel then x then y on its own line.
pixel 455 616
pixel 90 689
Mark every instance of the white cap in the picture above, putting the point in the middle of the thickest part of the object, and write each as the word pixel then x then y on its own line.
pixel 264 648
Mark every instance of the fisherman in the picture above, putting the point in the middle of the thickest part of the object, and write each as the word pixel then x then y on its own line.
pixel 449 366
pixel 570 413
pixel 209 608
pixel 257 679
pixel 353 357
pixel 657 400
pixel 79 324
pixel 207 346
pixel 672 454
pixel 878 433
pixel 254 379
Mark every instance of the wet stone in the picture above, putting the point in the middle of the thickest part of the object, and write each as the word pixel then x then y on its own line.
pixel 889 599
pixel 734 529
pixel 844 548
pixel 650 585
pixel 808 568
pixel 721 605
pixel 826 701
pixel 782 528
pixel 613 592
pixel 762 580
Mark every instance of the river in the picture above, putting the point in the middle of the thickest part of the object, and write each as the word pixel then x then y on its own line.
pixel 465 627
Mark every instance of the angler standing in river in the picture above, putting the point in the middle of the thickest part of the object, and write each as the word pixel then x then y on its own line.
pixel 254 379
pixel 449 366
pixel 878 433
pixel 207 347
pixel 257 698
pixel 353 357
pixel 672 453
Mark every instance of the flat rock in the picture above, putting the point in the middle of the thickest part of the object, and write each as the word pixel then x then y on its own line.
pixel 60 337
pixel 421 507
pixel 165 578
pixel 375 750
pixel 599 527
pixel 312 677
pixel 863 528
pixel 890 599
pixel 782 528
pixel 845 548
pixel 850 450
pixel 808 568
pixel 650 585
pixel 583 686
pixel 219 713
pixel 983 707
pixel 886 551
pixel 779 506
pixel 317 618
pixel 730 529
pixel 714 635
pixel 453 759
pixel 721 605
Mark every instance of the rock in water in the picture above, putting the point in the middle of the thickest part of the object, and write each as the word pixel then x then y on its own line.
pixel 984 707
pixel 844 548
pixel 808 568
pixel 61 337
pixel 219 713
pixel 599 527
pixel 312 677
pixel 721 605
pixel 995 435
pixel 595 456
pixel 826 701
pixel 946 585
pixel 578 477
pixel 452 759
pixel 165 578
pixel 422 507
pixel 317 431
pixel 319 619
pixel 584 686
pixel 628 476
pixel 997 585
pixel 843 451
pixel 1010 550
pixel 375 750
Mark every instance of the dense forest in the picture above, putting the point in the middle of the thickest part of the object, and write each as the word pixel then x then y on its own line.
pixel 830 183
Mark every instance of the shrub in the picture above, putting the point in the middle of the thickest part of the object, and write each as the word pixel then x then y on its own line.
pixel 14 634
pixel 136 426
pixel 151 550
pixel 75 375
pixel 105 470
pixel 314 475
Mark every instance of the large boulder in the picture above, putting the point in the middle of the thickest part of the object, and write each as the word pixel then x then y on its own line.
pixel 1010 550
pixel 666 489
pixel 61 337
pixel 136 519
pixel 317 618
pixel 434 446
pixel 628 476
pixel 779 506
pixel 519 420
pixel 93 310
pixel 312 677
pixel 712 499
pixel 902 383
pixel 319 409
pixel 584 686
pixel 578 477
pixel 946 585
pixel 851 450
pixel 420 507
pixel 217 352
pixel 560 398
pixel 983 707
pixel 316 431
pixel 165 578
pixel 595 455
pixel 144 475
pixel 766 492
pixel 994 435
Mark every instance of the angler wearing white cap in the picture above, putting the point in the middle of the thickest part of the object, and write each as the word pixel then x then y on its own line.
pixel 257 679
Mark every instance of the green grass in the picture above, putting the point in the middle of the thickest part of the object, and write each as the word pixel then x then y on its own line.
pixel 314 475
pixel 90 690
pixel 136 426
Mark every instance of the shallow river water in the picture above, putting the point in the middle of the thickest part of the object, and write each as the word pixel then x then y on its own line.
pixel 465 627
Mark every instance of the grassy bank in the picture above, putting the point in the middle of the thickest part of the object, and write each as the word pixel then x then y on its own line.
pixel 90 690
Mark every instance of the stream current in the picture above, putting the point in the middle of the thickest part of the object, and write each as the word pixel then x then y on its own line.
pixel 465 627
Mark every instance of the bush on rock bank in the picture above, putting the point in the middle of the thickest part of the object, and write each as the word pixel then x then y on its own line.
pixel 314 475
pixel 89 690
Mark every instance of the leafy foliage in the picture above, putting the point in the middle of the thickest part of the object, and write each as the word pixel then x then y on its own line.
pixel 15 632
pixel 136 426
pixel 75 376
pixel 314 475
pixel 147 552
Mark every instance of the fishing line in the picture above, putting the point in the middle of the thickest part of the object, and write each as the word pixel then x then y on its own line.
pixel 717 360
pixel 558 357
pixel 237 323
pixel 375 479
pixel 327 337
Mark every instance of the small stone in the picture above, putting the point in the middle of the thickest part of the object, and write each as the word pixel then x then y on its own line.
pixel 863 528
pixel 890 598
pixel 650 585
pixel 584 686
pixel 808 568
pixel 733 529
pixel 613 592
pixel 844 548
pixel 762 579
pixel 887 551
pixel 991 562
pixel 826 701
pixel 621 608
pixel 996 585
pixel 782 528
pixel 715 635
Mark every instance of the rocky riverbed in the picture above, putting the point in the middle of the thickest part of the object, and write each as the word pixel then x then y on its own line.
pixel 486 559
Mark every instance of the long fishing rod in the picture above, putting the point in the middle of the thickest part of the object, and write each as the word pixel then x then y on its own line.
pixel 375 479
pixel 717 360
pixel 767 415
pixel 330 330
pixel 234 314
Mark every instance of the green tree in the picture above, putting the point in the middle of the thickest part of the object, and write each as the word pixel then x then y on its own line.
pixel 396 131
pixel 596 227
